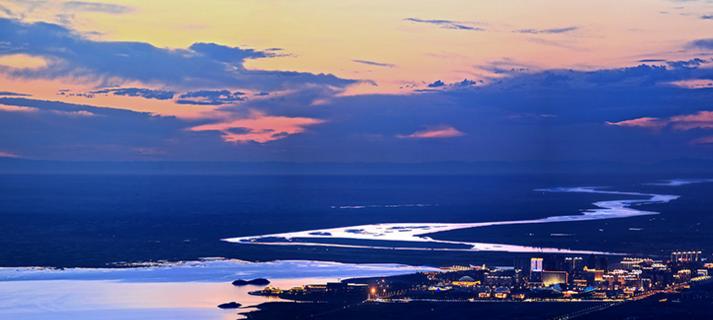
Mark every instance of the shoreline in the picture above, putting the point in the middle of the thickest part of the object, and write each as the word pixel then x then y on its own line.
pixel 191 288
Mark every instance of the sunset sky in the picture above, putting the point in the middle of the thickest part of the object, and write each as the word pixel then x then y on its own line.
pixel 351 81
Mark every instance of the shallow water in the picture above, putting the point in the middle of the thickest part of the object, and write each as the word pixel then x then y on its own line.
pixel 188 290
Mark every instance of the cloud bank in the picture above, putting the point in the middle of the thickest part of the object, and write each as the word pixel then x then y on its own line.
pixel 71 55
pixel 435 133
pixel 96 7
pixel 548 31
pixel 446 24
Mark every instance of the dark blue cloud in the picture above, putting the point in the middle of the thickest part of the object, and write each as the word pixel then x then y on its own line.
pixel 226 54
pixel 548 31
pixel 707 17
pixel 13 94
pixel 702 44
pixel 555 115
pixel 543 115
pixel 374 63
pixel 96 7
pixel 201 65
pixel 446 24
pixel 505 66
pixel 72 131
pixel 211 97
pixel 687 64
pixel 439 84
pixel 436 84
pixel 652 60
pixel 465 83
pixel 138 92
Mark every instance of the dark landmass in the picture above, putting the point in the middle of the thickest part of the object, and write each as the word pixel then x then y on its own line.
pixel 253 282
pixel 417 310
pixel 694 303
pixel 676 166
pixel 229 305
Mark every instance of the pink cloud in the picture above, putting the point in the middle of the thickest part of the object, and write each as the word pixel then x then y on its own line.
pixel 693 84
pixel 644 122
pixel 7 154
pixel 703 140
pixel 436 133
pixel 700 120
pixel 17 109
pixel 259 127
pixel 78 114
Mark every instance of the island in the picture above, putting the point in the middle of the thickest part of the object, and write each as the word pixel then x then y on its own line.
pixel 253 282
pixel 229 305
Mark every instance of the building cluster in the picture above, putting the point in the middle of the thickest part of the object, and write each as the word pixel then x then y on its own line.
pixel 572 277
pixel 330 292
pixel 535 278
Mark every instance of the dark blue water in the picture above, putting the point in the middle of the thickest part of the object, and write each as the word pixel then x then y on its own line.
pixel 68 220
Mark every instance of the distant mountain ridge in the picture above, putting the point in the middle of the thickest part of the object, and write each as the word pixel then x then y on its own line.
pixel 24 166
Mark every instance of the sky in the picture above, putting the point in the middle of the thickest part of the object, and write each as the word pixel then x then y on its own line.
pixel 356 81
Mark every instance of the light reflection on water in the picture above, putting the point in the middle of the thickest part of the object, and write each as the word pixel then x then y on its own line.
pixel 187 291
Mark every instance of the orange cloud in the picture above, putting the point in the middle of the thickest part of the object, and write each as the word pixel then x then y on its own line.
pixel 259 127
pixel 436 133
pixel 22 61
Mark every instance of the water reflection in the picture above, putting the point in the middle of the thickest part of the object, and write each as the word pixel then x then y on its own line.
pixel 189 290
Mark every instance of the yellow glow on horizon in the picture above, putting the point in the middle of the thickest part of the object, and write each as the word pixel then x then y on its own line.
pixel 22 61
pixel 321 36
pixel 325 36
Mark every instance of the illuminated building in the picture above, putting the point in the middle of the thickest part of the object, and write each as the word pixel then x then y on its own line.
pixel 501 292
pixel 536 265
pixel 550 278
pixel 314 288
pixel 518 296
pixel 573 264
pixel 626 279
pixel 580 283
pixel 500 278
pixel 465 281
pixel 682 275
pixel 536 270
pixel 686 256
pixel 594 275
pixel 569 293
pixel 457 268
pixel 373 293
